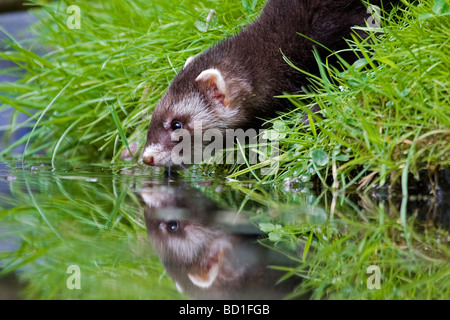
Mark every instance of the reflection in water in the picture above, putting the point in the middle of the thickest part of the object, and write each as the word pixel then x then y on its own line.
pixel 90 217
pixel 211 253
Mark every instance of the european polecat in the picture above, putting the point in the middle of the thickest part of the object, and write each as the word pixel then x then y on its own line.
pixel 234 83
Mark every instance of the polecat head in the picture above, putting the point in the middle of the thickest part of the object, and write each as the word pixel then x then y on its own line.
pixel 199 99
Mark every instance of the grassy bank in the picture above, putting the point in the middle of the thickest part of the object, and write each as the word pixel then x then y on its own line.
pixel 385 118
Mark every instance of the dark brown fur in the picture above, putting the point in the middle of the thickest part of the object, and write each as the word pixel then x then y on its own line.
pixel 255 53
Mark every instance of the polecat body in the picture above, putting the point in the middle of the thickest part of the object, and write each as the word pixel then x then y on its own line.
pixel 234 84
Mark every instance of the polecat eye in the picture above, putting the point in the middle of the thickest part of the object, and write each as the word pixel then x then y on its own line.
pixel 172 226
pixel 176 125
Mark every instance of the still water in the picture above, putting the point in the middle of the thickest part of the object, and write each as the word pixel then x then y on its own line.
pixel 127 232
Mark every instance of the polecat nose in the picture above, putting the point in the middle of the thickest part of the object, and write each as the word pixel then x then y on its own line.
pixel 149 160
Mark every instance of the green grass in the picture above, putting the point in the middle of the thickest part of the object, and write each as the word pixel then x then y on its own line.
pixel 386 117
pixel 92 93
pixel 95 87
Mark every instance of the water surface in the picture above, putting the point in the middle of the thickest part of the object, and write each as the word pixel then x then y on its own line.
pixel 127 232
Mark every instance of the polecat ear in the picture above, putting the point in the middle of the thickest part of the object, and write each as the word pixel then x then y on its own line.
pixel 205 278
pixel 214 84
